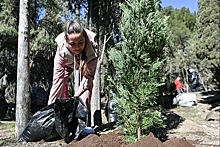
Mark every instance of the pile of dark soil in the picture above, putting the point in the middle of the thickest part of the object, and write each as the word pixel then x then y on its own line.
pixel 112 139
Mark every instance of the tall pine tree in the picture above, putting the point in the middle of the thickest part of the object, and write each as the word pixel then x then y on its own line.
pixel 9 13
pixel 207 50
pixel 137 61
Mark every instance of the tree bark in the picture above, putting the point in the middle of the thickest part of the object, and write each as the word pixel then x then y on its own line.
pixel 77 76
pixel 96 118
pixel 95 99
pixel 23 80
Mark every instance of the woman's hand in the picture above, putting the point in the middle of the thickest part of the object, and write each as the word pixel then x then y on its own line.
pixel 79 92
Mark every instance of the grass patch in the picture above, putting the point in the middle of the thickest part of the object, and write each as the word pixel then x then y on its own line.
pixel 7 133
pixel 7 125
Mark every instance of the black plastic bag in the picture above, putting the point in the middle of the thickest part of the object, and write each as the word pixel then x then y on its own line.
pixel 110 111
pixel 3 107
pixel 65 118
pixel 39 99
pixel 40 126
pixel 70 118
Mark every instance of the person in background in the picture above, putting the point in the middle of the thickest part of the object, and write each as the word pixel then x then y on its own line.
pixel 193 79
pixel 178 86
pixel 76 49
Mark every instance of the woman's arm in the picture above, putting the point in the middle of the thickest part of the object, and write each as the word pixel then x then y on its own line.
pixel 87 80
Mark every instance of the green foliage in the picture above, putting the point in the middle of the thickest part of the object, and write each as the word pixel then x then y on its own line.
pixel 42 45
pixel 194 41
pixel 43 30
pixel 8 20
pixel 49 26
pixel 137 61
pixel 207 48
pixel 182 25
pixel 8 38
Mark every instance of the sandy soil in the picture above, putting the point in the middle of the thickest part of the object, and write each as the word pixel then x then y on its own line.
pixel 201 123
pixel 191 126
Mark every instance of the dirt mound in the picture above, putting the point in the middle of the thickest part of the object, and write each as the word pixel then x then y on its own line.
pixel 112 140
pixel 149 140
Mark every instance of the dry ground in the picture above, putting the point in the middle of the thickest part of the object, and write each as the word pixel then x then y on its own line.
pixel 201 122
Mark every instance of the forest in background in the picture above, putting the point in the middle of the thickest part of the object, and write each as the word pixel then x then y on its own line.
pixel 193 40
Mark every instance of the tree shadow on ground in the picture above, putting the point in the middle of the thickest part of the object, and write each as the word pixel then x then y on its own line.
pixel 105 127
pixel 172 122
pixel 172 119
pixel 213 99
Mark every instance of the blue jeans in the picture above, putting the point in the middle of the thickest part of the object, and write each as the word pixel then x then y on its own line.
pixel 179 91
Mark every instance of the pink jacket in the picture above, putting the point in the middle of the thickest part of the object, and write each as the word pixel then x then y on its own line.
pixel 91 49
pixel 64 66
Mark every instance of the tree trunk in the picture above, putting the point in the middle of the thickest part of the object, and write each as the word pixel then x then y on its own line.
pixel 76 79
pixel 96 118
pixel 95 99
pixel 77 76
pixel 23 80
pixel 94 104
